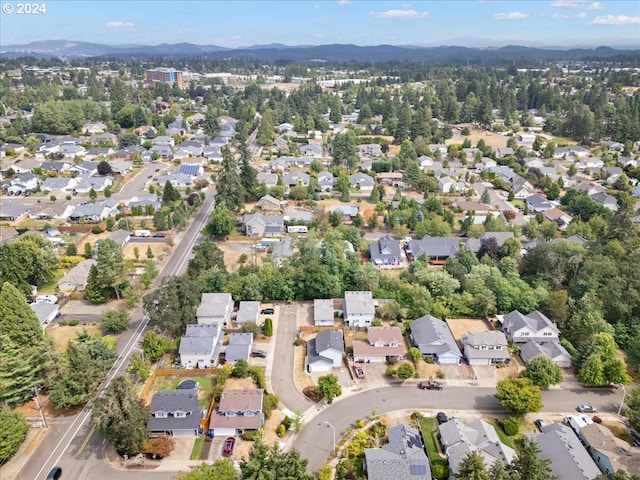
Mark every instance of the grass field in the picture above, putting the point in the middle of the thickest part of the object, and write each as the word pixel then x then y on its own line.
pixel 197 448
pixel 439 465
pixel 171 383
pixel 62 335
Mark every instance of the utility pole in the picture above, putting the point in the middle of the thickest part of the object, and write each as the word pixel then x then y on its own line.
pixel 624 395
pixel 39 405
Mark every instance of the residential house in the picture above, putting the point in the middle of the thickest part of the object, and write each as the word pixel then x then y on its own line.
pixel 438 249
pixel 386 252
pixel 449 185
pixel 551 349
pixel 175 413
pixel 61 184
pixel 120 167
pixel 247 312
pixel 87 183
pixel 99 152
pixel 459 440
pixel 56 166
pixel 477 208
pixel 200 345
pixel 237 411
pixel 163 140
pixel 258 225
pixel 326 180
pixel 270 180
pixel 13 211
pixel 191 169
pixel 269 204
pixel 538 203
pixel 91 212
pixel 212 153
pixel 521 187
pixel 569 458
pixel 474 244
pixel 370 149
pixel 383 344
pixel 526 137
pixel 521 328
pixel 359 309
pixel 485 348
pixel 239 347
pixel 188 151
pixel 283 249
pixel 402 457
pixel 348 212
pixel 72 151
pixel 121 237
pixel 606 200
pixel 46 312
pixel 93 127
pixel 325 351
pixel 504 152
pixel 434 339
pixel 178 180
pixel 610 453
pixel 362 182
pixel 164 152
pixel 215 308
pixel 291 179
pixel 312 150
pixel 76 277
pixel 590 163
pixel 7 234
pixel 562 219
pixel 395 179
pixel 323 312
pixel 28 181
pixel 438 147
pixel 425 162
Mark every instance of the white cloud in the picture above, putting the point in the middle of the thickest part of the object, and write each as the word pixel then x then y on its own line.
pixel 616 20
pixel 317 7
pixel 596 6
pixel 563 16
pixel 344 2
pixel 400 14
pixel 235 38
pixel 510 16
pixel 568 3
pixel 120 25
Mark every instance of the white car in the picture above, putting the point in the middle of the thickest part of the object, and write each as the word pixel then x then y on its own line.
pixel 46 299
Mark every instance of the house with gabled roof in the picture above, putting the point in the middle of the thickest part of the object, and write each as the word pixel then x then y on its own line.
pixel 200 345
pixel 552 349
pixel 521 328
pixel 402 457
pixel 362 182
pixel 474 244
pixel 359 309
pixel 537 203
pixel 436 248
pixel 383 344
pixel 269 204
pixel 247 312
pixel 459 440
pixel 270 180
pixel 215 308
pixel 237 411
pixel 485 348
pixel 323 312
pixel 62 184
pixel 175 413
pixel 45 312
pixel 608 452
pixel 386 252
pixel 434 339
pixel 239 347
pixel 76 278
pixel 606 200
pixel 325 351
pixel 258 225
pixel 569 459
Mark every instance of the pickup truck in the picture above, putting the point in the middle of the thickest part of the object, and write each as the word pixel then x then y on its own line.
pixel 430 385
pixel 359 371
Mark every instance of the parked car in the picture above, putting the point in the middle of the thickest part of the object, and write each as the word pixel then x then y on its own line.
pixel 229 443
pixel 267 311
pixel 46 299
pixel 586 409
pixel 359 371
pixel 540 424
pixel 441 417
pixel 54 474
pixel 259 353
pixel 430 385
pixel 159 235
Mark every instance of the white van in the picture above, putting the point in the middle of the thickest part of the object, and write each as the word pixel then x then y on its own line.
pixel 46 299
pixel 142 233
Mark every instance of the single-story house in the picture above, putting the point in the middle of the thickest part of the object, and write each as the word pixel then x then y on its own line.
pixel 402 457
pixel 434 339
pixel 63 184
pixel 551 349
pixel 237 411
pixel 239 347
pixel 325 351
pixel 323 312
pixel 382 344
pixel 362 182
pixel 269 204
pixel 13 211
pixel 438 249
pixel 121 237
pixel 247 312
pixel 270 180
pixel 45 312
pixel 175 413
pixel 485 348
pixel 76 278
pixel 610 453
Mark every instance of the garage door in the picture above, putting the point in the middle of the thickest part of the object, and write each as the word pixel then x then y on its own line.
pixel 224 432
pixel 185 433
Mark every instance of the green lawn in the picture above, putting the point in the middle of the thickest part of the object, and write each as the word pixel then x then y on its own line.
pixel 206 387
pixel 52 286
pixel 439 465
pixel 197 448
pixel 504 438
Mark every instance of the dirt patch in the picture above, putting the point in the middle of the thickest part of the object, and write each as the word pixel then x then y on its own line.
pixel 300 377
pixel 462 326
pixel 427 370
pixel 30 408
pixel 239 383
pixel 159 250
pixel 62 335
pixel 234 250
pixel 492 139
pixel 350 336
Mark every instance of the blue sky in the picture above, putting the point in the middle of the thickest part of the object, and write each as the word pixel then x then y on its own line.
pixel 296 22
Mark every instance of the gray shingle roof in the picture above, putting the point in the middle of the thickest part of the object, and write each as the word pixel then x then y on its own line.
pixel 386 248
pixel 403 457
pixel 437 247
pixel 433 336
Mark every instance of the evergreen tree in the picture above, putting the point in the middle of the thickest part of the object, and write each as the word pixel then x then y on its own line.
pixel 19 369
pixel 230 191
pixel 211 126
pixel 169 194
pixel 485 198
pixel 528 465
pixel 94 291
pixel 248 174
pixel 279 464
pixel 13 431
pixel 472 468
pixel 111 272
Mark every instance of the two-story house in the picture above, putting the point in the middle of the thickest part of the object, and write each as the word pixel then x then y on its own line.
pixel 359 309
pixel 383 344
pixel 325 352
pixel 485 348
pixel 386 252
pixel 200 345
pixel 215 308
pixel 175 413
pixel 323 312
pixel 520 328
pixel 237 411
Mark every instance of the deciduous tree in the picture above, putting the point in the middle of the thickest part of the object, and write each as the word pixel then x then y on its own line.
pixel 543 372
pixel 329 387
pixel 519 396
pixel 172 305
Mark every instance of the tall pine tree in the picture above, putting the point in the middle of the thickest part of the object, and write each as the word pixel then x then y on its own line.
pixel 230 191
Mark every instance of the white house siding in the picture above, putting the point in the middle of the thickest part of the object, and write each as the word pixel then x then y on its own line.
pixel 190 361
pixel 448 359
pixel 359 320
pixel 319 367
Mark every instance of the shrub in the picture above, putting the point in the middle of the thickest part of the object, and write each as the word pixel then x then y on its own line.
pixel 597 419
pixel 440 374
pixel 73 323
pixel 268 326
pixel 96 229
pixel 510 426
pixel 251 435
pixel 287 421
pixel 281 430
pixel 391 371
pixel 297 342
pixel 406 370
pixel 62 323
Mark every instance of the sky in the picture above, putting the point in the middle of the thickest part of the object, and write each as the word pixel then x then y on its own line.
pixel 238 23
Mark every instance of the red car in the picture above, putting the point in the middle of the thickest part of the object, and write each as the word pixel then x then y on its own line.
pixel 359 371
pixel 229 443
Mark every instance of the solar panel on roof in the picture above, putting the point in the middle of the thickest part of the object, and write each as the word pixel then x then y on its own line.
pixel 418 469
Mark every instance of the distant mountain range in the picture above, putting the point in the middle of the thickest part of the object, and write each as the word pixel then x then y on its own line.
pixel 66 49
